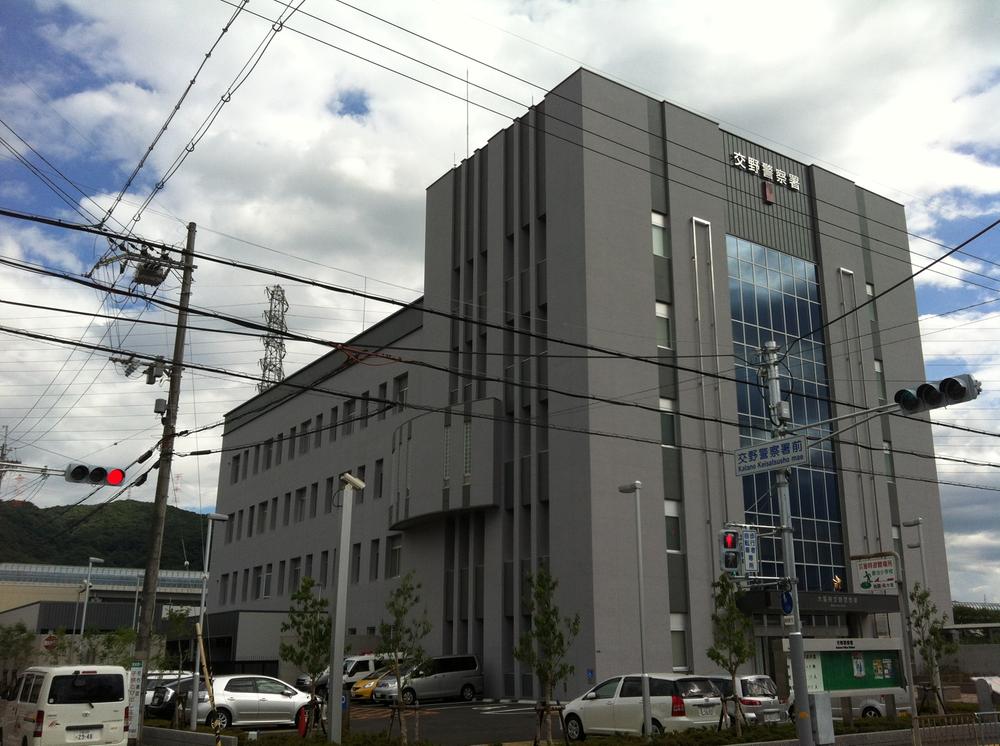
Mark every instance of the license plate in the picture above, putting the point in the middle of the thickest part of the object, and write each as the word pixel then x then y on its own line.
pixel 771 717
pixel 85 735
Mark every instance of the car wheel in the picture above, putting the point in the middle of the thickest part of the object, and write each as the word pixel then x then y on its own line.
pixel 409 697
pixel 222 716
pixel 657 728
pixel 468 692
pixel 574 728
pixel 871 712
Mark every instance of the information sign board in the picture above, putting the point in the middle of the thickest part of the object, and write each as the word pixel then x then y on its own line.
pixel 775 454
pixel 134 697
pixel 751 552
pixel 874 574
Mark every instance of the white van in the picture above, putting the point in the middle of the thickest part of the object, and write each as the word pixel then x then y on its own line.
pixel 67 704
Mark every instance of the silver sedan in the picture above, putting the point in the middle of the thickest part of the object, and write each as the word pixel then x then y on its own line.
pixel 250 700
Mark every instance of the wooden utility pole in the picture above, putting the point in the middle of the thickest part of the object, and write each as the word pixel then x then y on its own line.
pixel 148 608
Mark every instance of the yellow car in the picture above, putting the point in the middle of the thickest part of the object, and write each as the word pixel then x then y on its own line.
pixel 363 688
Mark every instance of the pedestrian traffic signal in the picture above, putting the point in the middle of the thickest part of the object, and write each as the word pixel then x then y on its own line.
pixel 931 395
pixel 731 553
pixel 102 475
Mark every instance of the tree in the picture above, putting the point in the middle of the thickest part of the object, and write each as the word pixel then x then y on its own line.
pixel 402 639
pixel 17 646
pixel 61 651
pixel 732 636
pixel 309 623
pixel 545 643
pixel 930 638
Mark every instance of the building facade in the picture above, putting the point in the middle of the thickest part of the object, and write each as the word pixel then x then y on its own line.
pixel 599 279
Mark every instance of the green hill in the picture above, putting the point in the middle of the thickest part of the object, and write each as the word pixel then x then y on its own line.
pixel 117 532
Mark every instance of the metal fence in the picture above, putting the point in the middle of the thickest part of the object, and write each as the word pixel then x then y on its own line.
pixel 966 729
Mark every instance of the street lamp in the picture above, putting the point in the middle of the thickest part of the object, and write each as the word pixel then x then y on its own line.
pixel 334 713
pixel 86 597
pixel 213 518
pixel 647 714
pixel 919 524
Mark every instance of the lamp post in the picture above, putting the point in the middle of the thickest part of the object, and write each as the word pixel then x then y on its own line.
pixel 213 518
pixel 86 598
pixel 647 714
pixel 335 693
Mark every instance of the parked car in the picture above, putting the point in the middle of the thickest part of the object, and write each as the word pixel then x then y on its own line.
pixel 443 677
pixel 243 699
pixel 758 697
pixel 155 678
pixel 303 681
pixel 870 706
pixel 677 701
pixel 356 667
pixel 363 688
pixel 165 696
pixel 67 704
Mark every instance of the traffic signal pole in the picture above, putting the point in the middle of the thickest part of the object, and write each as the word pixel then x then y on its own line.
pixel 155 547
pixel 779 415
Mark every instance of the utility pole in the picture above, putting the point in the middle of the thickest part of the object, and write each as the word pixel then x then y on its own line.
pixel 780 414
pixel 148 608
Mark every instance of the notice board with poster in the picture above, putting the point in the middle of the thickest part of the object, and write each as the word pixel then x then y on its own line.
pixel 854 666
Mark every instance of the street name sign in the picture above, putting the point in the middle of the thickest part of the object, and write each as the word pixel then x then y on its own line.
pixel 774 454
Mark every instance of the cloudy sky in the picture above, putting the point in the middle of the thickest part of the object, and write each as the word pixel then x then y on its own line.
pixel 312 147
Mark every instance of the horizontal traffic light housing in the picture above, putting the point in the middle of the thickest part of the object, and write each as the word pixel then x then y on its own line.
pixel 102 475
pixel 934 394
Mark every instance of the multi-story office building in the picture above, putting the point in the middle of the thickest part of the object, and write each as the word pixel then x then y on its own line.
pixel 599 279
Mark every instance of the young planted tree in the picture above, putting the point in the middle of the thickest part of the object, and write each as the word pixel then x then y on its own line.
pixel 60 651
pixel 930 638
pixel 309 651
pixel 544 645
pixel 17 647
pixel 732 636
pixel 402 640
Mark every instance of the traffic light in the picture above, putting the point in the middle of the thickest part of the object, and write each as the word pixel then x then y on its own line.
pixel 731 553
pixel 102 475
pixel 943 393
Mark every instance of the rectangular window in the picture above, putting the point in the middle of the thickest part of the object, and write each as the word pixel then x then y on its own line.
pixel 230 527
pixel 400 387
pixel 355 563
pixel 239 525
pixel 678 646
pixel 373 560
pixel 446 466
pixel 223 589
pixel 333 424
pixel 258 582
pixel 880 380
pixel 661 244
pixel 262 517
pixel 668 423
pixel 890 464
pixel 324 568
pixel 256 458
pixel 467 451
pixel 246 464
pixel 251 514
pixel 234 469
pixel 328 497
pixel 664 329
pixel 287 513
pixel 318 440
pixel 393 555
pixel 304 439
pixel 279 445
pixel 313 499
pixel 309 566
pixel 268 447
pixel 379 477
pixel 295 574
pixel 300 504
pixel 233 585
pixel 349 407
pixel 292 442
pixel 246 584
pixel 274 513
pixel 383 393
pixel 281 578
pixel 359 495
pixel 365 411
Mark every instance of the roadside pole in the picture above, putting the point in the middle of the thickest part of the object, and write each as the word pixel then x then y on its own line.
pixel 779 412
pixel 155 546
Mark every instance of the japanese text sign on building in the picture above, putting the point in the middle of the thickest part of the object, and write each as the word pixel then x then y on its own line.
pixel 765 170
pixel 875 573
pixel 775 454
pixel 751 552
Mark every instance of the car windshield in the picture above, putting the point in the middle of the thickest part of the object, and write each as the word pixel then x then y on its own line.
pixel 762 687
pixel 696 688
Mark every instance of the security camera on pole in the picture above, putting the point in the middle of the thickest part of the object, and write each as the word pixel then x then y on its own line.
pixel 780 414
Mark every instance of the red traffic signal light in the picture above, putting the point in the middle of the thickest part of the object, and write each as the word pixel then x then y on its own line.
pixel 731 551
pixel 101 475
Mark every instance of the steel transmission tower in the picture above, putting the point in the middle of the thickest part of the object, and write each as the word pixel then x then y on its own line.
pixel 271 370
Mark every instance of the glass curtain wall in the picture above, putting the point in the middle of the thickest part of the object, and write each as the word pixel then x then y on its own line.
pixel 776 296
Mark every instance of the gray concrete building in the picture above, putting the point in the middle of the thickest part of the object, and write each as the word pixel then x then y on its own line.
pixel 599 278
